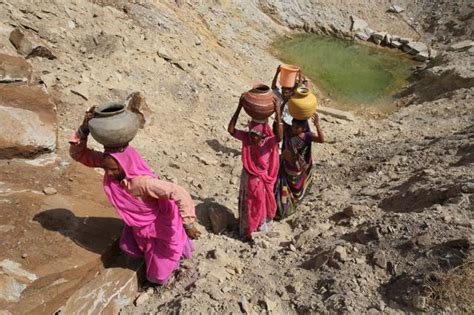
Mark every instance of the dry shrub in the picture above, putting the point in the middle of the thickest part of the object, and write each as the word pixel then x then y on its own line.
pixel 453 290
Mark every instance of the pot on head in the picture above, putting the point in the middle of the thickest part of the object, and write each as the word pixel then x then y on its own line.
pixel 259 102
pixel 113 125
pixel 302 105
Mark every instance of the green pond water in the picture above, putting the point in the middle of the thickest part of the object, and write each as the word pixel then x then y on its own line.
pixel 355 76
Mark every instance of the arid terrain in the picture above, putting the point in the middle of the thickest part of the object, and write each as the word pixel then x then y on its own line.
pixel 386 228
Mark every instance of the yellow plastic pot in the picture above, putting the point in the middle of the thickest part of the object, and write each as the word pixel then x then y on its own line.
pixel 302 105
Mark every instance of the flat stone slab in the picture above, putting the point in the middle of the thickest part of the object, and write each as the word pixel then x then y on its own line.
pixel 54 248
pixel 336 113
pixel 416 47
pixel 422 56
pixel 14 69
pixel 113 289
pixel 394 8
pixel 461 46
pixel 395 44
pixel 28 120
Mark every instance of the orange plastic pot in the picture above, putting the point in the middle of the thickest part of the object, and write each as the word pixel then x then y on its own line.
pixel 288 74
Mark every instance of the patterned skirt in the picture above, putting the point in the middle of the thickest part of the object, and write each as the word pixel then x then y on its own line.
pixel 290 189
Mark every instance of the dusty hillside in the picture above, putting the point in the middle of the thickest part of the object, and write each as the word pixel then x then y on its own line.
pixel 404 183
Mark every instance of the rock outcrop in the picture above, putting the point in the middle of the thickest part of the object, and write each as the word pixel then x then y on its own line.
pixel 28 117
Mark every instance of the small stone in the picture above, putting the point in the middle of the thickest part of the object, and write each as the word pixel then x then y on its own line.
pixel 340 253
pixel 71 24
pixel 226 289
pixel 220 219
pixel 24 255
pixel 419 302
pixel 395 9
pixel 150 290
pixel 48 191
pixel 468 188
pixel 244 304
pixel 349 211
pixel 378 37
pixel 379 259
pixel 142 298
pixel 470 51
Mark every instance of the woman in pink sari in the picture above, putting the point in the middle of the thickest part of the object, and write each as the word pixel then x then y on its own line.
pixel 158 215
pixel 257 205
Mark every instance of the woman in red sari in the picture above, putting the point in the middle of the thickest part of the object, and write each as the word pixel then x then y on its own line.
pixel 257 205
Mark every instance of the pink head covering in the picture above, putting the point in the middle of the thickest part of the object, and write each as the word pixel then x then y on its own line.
pixel 258 128
pixel 133 211
pixel 131 162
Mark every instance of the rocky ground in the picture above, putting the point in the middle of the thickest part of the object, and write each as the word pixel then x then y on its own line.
pixel 387 224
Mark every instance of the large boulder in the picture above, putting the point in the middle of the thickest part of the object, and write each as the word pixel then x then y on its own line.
pixel 14 69
pixel 28 120
pixel 59 253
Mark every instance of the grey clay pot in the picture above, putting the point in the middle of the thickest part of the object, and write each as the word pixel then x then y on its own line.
pixel 113 126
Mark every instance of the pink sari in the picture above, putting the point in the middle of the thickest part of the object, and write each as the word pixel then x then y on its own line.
pixel 261 163
pixel 153 228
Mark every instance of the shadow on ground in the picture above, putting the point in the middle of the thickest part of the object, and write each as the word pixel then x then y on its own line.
pixel 96 234
pixel 218 147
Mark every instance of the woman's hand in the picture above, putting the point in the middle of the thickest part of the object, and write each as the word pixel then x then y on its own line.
pixel 315 119
pixel 193 233
pixel 90 113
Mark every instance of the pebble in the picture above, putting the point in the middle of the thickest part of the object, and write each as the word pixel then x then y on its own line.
pixel 340 253
pixel 244 304
pixel 226 289
pixel 379 259
pixel 48 191
pixel 24 255
pixel 419 302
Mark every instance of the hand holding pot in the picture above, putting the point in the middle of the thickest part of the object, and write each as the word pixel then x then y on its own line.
pixel 315 119
pixel 84 128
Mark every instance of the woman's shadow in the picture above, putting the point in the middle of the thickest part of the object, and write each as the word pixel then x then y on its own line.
pixel 96 234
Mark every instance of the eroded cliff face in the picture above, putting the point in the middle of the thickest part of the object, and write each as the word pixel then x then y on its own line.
pixel 407 179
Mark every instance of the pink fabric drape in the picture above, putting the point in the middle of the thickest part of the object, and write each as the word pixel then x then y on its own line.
pixel 263 171
pixel 154 227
